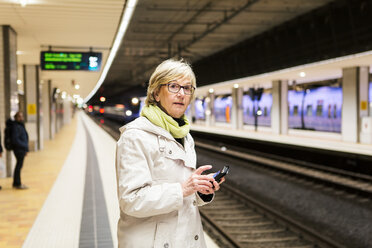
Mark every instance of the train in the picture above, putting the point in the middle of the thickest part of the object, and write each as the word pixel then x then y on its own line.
pixel 316 109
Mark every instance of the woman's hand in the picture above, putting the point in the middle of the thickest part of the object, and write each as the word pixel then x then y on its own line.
pixel 198 182
pixel 216 186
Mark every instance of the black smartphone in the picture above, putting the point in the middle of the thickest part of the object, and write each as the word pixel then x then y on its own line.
pixel 221 173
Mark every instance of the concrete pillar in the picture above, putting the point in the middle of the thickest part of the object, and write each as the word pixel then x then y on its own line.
pixel 8 85
pixel 46 99
pixel 67 111
pixel 209 115
pixel 354 102
pixel 364 137
pixel 191 113
pixel 237 108
pixel 279 108
pixel 52 110
pixel 33 115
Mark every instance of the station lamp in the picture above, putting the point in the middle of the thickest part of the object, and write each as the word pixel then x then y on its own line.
pixel 19 81
pixel 135 100
pixel 23 3
pixel 77 86
pixel 102 99
pixel 302 74
pixel 236 86
pixel 128 113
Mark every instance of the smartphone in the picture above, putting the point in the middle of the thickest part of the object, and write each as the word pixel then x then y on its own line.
pixel 221 173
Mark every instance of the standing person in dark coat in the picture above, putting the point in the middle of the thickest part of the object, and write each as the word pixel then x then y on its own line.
pixel 20 148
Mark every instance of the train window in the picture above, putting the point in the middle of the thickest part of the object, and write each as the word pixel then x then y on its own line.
pixel 295 110
pixel 319 110
pixel 329 111
pixel 334 111
pixel 309 110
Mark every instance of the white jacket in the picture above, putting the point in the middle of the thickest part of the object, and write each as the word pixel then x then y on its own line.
pixel 150 167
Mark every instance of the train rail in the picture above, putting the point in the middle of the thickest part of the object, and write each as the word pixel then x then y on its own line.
pixel 237 220
pixel 356 184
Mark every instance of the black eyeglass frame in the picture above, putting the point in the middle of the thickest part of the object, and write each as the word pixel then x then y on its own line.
pixel 180 86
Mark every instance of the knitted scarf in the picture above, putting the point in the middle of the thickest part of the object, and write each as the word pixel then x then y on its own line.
pixel 157 116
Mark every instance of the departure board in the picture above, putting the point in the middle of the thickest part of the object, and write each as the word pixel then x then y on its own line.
pixel 75 61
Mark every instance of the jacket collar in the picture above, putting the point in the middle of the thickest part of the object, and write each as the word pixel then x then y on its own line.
pixel 144 124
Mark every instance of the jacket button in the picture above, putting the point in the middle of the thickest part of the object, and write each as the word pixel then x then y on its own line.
pixel 194 203
pixel 166 245
pixel 196 237
pixel 170 151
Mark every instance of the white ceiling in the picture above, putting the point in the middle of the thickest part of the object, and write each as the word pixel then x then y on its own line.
pixel 63 23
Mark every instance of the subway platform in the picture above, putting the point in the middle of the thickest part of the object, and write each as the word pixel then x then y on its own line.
pixel 71 200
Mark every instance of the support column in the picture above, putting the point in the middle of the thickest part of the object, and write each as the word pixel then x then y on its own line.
pixel 33 115
pixel 365 136
pixel 237 108
pixel 46 98
pixel 8 85
pixel 351 97
pixel 279 108
pixel 209 115
pixel 67 111
pixel 52 110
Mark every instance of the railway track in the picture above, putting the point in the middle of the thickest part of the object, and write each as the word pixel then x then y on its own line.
pixel 238 221
pixel 360 186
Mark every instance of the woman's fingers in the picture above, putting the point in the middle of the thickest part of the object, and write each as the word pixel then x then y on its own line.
pixel 201 169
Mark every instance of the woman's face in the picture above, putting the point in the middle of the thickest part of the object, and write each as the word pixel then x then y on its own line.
pixel 174 104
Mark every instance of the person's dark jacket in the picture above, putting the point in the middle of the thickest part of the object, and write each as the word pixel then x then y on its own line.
pixel 1 148
pixel 19 137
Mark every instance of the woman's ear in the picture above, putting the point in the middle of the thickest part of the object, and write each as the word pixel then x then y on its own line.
pixel 156 96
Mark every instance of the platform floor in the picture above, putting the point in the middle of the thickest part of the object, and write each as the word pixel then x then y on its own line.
pixel 72 188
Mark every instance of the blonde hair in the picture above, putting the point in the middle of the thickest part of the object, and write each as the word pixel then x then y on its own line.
pixel 167 71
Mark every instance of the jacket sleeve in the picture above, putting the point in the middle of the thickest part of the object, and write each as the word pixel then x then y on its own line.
pixel 204 199
pixel 138 194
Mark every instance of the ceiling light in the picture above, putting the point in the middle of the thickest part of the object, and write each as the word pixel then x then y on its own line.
pixel 302 74
pixel 102 99
pixel 19 81
pixel 135 100
pixel 77 86
pixel 211 90
pixel 236 86
pixel 128 12
pixel 23 2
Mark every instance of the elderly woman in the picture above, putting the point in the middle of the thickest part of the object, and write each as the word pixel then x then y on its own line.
pixel 159 187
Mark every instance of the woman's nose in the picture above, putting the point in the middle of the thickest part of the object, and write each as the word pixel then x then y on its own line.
pixel 183 91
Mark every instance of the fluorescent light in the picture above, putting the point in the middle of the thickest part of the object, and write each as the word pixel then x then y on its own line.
pixel 128 12
pixel 23 3
pixel 135 100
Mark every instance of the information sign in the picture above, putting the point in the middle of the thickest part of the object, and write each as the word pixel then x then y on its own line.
pixel 89 61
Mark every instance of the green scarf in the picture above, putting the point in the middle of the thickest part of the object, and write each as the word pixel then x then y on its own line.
pixel 161 119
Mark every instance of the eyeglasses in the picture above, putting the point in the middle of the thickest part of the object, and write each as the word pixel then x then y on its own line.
pixel 175 88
